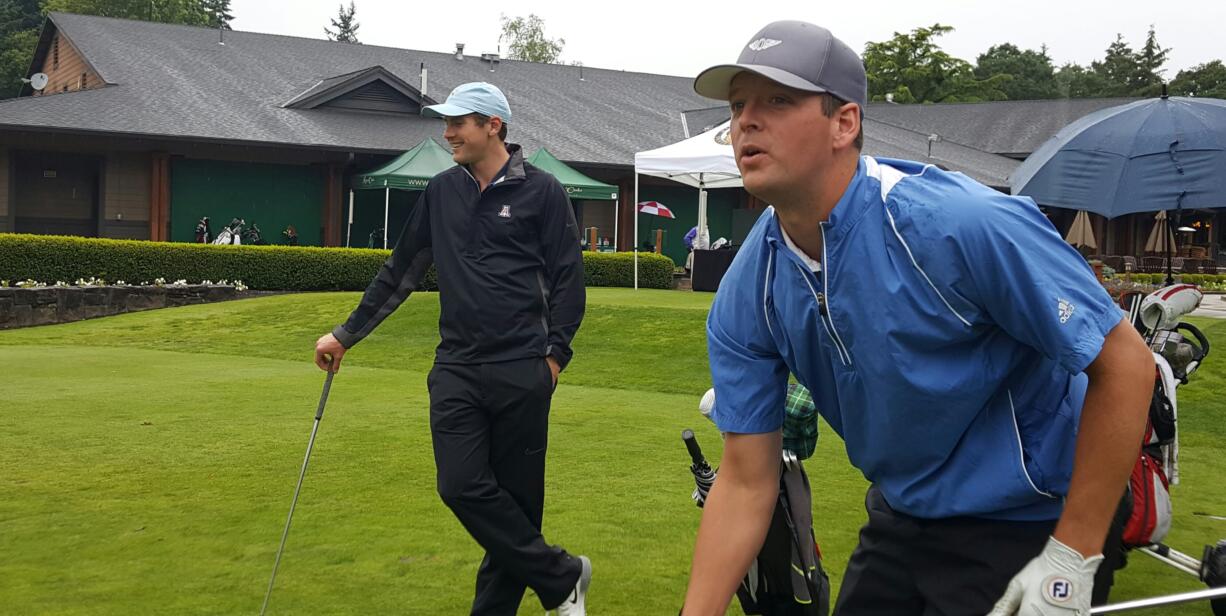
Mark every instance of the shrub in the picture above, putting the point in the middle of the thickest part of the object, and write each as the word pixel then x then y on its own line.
pixel 48 259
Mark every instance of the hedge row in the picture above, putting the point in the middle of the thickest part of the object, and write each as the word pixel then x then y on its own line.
pixel 1196 279
pixel 48 258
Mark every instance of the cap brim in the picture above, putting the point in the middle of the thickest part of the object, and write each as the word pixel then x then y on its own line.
pixel 717 80
pixel 445 110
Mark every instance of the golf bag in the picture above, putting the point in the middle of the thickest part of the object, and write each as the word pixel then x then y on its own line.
pixel 786 578
pixel 203 233
pixel 231 233
pixel 253 235
pixel 1144 515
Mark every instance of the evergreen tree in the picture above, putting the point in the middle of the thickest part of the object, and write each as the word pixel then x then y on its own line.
pixel 345 24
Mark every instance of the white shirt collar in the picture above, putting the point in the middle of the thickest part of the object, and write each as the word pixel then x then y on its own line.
pixel 814 266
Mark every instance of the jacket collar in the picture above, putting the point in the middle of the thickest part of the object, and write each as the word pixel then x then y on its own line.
pixel 846 213
pixel 851 206
pixel 511 171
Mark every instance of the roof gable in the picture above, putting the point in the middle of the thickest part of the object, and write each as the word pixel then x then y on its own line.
pixel 370 89
pixel 48 37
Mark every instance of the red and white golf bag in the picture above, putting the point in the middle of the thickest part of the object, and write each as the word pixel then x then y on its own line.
pixel 1176 356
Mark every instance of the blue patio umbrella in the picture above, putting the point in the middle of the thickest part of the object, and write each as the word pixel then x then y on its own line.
pixel 1155 154
pixel 1166 153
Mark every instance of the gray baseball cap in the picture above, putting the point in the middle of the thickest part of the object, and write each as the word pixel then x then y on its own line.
pixel 798 55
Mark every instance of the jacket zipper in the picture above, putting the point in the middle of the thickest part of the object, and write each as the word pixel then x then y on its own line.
pixel 823 315
pixel 823 300
pixel 540 281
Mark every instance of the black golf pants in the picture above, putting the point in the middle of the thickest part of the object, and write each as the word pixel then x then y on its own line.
pixel 490 425
pixel 906 566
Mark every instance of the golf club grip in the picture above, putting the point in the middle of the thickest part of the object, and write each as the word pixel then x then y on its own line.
pixel 691 444
pixel 323 398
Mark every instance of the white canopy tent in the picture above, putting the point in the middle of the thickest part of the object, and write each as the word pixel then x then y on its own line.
pixel 702 161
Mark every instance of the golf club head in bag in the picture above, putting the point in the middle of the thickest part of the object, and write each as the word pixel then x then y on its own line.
pixel 1184 353
pixel 707 404
pixel 1163 308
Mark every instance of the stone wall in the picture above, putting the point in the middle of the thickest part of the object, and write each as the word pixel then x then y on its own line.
pixel 46 306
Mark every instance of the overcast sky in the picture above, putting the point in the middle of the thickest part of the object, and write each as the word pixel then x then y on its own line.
pixel 678 39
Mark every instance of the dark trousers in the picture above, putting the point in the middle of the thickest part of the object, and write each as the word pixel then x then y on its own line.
pixel 490 425
pixel 906 566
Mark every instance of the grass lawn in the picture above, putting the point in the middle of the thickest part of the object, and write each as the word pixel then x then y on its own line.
pixel 147 462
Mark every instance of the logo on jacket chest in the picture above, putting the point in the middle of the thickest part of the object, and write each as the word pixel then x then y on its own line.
pixel 505 212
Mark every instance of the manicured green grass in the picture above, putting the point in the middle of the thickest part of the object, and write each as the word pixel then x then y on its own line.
pixel 147 462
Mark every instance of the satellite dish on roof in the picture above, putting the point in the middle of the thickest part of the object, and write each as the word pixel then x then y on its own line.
pixel 38 81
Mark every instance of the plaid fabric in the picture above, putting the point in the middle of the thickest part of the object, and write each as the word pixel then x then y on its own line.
pixel 799 422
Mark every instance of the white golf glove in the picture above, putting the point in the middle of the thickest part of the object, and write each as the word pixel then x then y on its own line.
pixel 1058 582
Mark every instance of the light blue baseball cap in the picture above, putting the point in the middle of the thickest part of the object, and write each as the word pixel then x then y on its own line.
pixel 476 97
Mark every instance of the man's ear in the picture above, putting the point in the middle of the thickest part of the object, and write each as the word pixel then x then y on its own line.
pixel 849 119
pixel 493 126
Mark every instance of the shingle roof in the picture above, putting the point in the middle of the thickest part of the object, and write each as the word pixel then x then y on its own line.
pixel 1011 128
pixel 177 81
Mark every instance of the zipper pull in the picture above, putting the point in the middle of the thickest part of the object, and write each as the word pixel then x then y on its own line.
pixel 821 303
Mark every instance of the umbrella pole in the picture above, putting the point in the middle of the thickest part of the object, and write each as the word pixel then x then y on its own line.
pixel 635 241
pixel 1170 279
pixel 349 226
pixel 387 200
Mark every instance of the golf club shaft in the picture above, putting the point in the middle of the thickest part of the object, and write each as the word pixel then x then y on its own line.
pixel 1199 595
pixel 319 413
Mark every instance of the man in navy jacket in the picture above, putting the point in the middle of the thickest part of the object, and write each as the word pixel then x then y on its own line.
pixel 503 238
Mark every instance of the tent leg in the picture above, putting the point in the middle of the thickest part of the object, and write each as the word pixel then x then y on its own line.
pixel 387 200
pixel 704 234
pixel 349 226
pixel 635 240
pixel 615 217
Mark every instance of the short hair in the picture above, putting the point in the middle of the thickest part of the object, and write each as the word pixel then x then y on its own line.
pixel 831 105
pixel 482 120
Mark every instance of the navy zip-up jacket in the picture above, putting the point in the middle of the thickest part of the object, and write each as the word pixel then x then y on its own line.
pixel 510 270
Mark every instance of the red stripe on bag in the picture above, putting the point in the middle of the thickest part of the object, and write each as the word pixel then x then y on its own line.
pixel 1177 288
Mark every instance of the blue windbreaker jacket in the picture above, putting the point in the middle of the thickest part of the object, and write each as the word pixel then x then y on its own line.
pixel 944 339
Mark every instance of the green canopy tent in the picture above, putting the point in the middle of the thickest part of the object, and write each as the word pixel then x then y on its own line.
pixel 577 185
pixel 409 171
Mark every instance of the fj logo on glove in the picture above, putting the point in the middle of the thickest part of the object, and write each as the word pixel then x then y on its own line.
pixel 506 212
pixel 1059 590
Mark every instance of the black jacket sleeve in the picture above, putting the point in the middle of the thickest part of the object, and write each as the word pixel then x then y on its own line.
pixel 399 276
pixel 563 273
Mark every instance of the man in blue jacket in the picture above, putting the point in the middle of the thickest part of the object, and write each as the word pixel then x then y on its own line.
pixel 503 238
pixel 981 378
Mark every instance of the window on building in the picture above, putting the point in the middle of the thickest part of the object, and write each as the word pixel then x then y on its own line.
pixel 84 81
pixel 55 53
